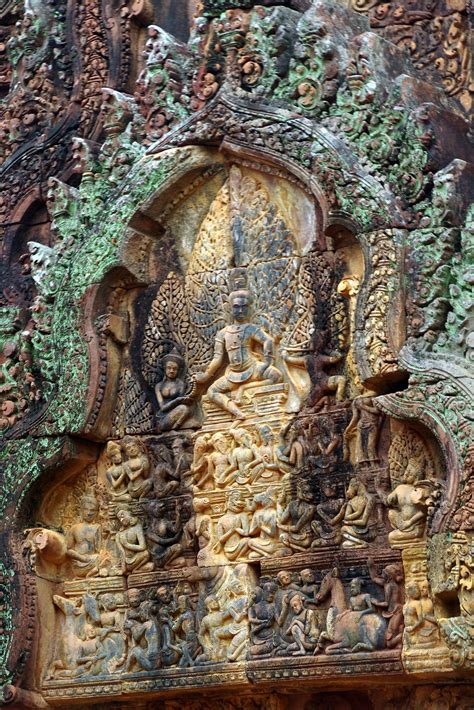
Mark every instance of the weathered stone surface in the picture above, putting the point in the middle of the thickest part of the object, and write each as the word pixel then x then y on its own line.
pixel 236 358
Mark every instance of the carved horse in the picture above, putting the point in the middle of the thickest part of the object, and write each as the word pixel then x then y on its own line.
pixel 350 631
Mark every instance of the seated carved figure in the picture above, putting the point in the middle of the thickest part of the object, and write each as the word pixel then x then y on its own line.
pixel 164 535
pixel 301 626
pixel 131 544
pixel 183 460
pixel 84 541
pixel 325 526
pixel 390 579
pixel 240 458
pixel 262 620
pixel 174 407
pixel 263 531
pixel 355 515
pixel 237 344
pixel 92 655
pixel 295 519
pixel 165 478
pixel 137 466
pixel 235 630
pixel 409 506
pixel 111 631
pixel 143 652
pixel 233 528
pixel 421 627
pixel 268 464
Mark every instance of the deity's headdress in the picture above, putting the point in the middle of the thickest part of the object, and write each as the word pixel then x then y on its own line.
pixel 174 356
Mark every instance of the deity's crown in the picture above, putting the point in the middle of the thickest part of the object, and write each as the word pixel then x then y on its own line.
pixel 174 356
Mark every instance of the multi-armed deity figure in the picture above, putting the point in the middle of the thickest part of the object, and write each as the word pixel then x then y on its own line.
pixel 238 343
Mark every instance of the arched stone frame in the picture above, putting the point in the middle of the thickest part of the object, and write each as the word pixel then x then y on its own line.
pixel 117 264
pixel 114 255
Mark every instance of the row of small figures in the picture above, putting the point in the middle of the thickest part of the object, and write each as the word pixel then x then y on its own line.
pixel 288 615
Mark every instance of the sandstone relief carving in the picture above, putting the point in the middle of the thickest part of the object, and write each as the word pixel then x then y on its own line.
pixel 234 360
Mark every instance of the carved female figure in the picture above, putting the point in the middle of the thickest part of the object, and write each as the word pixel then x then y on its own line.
pixel 116 474
pixel 137 467
pixel 409 503
pixel 173 406
pixel 430 628
pixel 355 515
pixel 364 427
pixel 131 544
pixel 412 613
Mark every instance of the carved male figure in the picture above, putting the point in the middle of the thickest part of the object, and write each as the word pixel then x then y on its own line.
pixel 303 627
pixel 326 528
pixel 296 517
pixel 236 344
pixel 84 541
pixel 236 628
pixel 355 515
pixel 262 620
pixel 421 628
pixel 392 606
pixel 233 528
pixel 408 502
pixel 164 534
